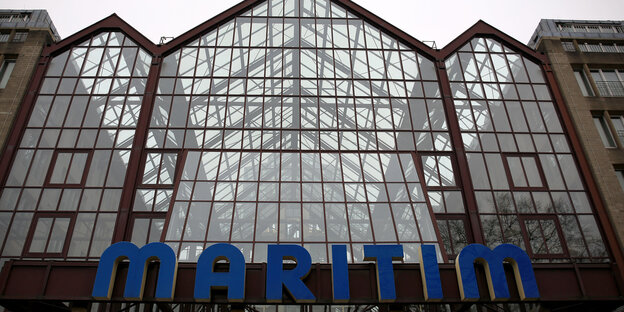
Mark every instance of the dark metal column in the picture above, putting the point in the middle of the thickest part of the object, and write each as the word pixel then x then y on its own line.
pixel 460 153
pixel 133 173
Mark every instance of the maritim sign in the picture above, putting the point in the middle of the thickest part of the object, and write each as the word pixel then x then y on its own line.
pixel 278 278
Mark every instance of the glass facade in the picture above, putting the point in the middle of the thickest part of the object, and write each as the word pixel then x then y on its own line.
pixel 295 122
pixel 527 186
pixel 62 194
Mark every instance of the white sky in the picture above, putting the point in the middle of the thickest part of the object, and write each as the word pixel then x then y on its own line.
pixel 441 21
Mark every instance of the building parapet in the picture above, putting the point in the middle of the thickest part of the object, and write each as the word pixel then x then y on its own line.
pixel 588 29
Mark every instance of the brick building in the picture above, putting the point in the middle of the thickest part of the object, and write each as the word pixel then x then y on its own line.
pixel 23 35
pixel 587 58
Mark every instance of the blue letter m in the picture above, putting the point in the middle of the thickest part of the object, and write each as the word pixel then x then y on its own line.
pixel 139 258
pixel 492 261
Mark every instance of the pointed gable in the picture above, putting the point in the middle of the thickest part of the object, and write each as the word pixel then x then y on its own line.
pixel 324 10
pixel 485 30
pixel 110 23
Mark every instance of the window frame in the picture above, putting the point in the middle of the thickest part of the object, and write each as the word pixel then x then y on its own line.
pixel 467 230
pixel 20 36
pixel 180 157
pixel 584 83
pixel 522 218
pixel 586 28
pixel 619 73
pixel 5 35
pixel 15 17
pixel 568 45
pixel 456 178
pixel 619 173
pixel 619 139
pixel 83 179
pixel 148 216
pixel 538 165
pixel 4 77
pixel 605 131
pixel 31 233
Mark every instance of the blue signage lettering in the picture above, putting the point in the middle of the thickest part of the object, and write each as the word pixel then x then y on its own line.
pixel 383 255
pixel 430 271
pixel 492 260
pixel 139 258
pixel 207 279
pixel 278 278
pixel 291 279
pixel 340 273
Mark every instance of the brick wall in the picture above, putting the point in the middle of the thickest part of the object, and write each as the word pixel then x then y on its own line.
pixel 27 55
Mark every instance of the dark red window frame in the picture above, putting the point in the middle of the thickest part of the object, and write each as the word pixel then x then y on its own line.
pixel 456 178
pixel 177 170
pixel 31 233
pixel 87 165
pixel 523 227
pixel 150 216
pixel 467 230
pixel 538 165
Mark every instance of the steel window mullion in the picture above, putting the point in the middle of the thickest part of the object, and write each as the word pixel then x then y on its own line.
pixel 344 194
pixel 136 154
pixel 385 187
pixel 300 182
pixel 211 202
pixel 542 236
pixel 279 194
pixel 265 47
pixel 241 153
pixel 49 236
pixel 23 187
pixel 460 153
pixel 418 166
pixel 257 208
pixel 605 82
pixel 174 194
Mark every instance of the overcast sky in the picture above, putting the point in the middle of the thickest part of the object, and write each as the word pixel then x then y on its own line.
pixel 428 20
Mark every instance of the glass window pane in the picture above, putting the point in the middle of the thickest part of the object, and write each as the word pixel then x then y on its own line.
pixel 359 223
pixel 604 131
pixel 81 235
pixel 41 234
pixel 266 224
pixel 382 222
pixel 313 222
pixel 337 229
pixel 405 222
pixel 58 235
pixel 290 222
pixel 197 221
pixel 243 222
pixel 517 173
pixel 584 85
pixel 140 231
pixel 76 171
pixel 551 172
pixel 102 234
pixel 477 171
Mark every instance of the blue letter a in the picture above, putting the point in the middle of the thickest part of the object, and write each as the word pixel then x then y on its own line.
pixel 206 278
